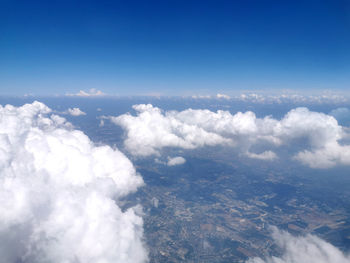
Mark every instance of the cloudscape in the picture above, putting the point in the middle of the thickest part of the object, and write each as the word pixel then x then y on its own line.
pixel 70 198
pixel 175 131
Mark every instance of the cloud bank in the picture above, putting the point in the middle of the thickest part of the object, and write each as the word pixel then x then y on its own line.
pixel 304 249
pixel 323 98
pixel 58 193
pixel 152 129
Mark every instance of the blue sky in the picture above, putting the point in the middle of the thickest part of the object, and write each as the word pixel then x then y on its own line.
pixel 173 47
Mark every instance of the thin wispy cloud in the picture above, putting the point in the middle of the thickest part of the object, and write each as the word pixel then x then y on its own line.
pixel 89 93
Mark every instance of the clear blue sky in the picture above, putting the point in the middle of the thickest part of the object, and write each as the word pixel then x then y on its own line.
pixel 173 47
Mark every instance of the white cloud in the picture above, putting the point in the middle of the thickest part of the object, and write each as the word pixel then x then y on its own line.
pixel 176 161
pixel 323 134
pixel 266 156
pixel 326 157
pixel 76 112
pixel 58 193
pixel 152 129
pixel 222 96
pixel 303 249
pixel 90 93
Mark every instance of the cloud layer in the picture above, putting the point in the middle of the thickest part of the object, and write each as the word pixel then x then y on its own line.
pixel 323 98
pixel 319 135
pixel 58 192
pixel 304 249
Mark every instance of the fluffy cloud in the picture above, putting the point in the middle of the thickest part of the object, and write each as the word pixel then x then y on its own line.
pixel 304 249
pixel 152 129
pixel 75 112
pixel 59 193
pixel 323 134
pixel 176 161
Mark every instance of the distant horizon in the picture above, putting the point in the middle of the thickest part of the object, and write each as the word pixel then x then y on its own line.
pixel 98 93
pixel 173 47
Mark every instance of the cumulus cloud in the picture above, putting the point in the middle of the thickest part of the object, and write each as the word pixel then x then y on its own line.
pixel 152 129
pixel 59 193
pixel 90 93
pixel 323 134
pixel 303 249
pixel 176 161
pixel 75 112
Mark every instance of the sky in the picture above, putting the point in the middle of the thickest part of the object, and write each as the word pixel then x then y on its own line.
pixel 173 47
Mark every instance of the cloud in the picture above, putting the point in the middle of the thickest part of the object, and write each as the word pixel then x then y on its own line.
pixel 266 156
pixel 342 115
pixel 222 96
pixel 303 249
pixel 59 193
pixel 176 161
pixel 323 134
pixel 102 123
pixel 75 112
pixel 324 98
pixel 152 129
pixel 90 93
pixel 201 97
pixel 283 97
